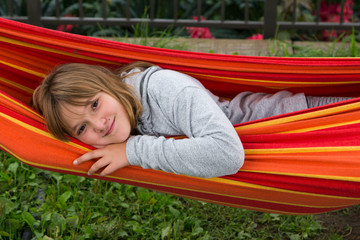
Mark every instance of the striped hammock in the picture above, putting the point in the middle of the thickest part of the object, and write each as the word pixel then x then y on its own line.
pixel 299 163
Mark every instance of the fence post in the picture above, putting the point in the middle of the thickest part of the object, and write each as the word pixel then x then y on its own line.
pixel 270 18
pixel 34 12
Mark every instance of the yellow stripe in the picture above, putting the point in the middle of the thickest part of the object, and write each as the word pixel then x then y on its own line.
pixel 14 84
pixel 221 78
pixel 23 69
pixel 322 127
pixel 269 151
pixel 328 177
pixel 29 45
pixel 37 164
pixel 306 116
pixel 19 105
pixel 261 187
pixel 304 150
pixel 40 132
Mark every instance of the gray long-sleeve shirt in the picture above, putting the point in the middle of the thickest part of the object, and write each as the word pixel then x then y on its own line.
pixel 176 104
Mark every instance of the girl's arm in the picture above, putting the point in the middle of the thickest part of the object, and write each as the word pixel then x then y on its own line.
pixel 212 147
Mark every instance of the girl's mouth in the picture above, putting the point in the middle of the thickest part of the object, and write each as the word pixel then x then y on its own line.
pixel 111 128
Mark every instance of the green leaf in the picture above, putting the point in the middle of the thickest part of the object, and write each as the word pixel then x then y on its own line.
pixel 136 218
pixel 13 167
pixel 354 49
pixel 64 197
pixel 46 217
pixel 174 211
pixel 57 224
pixel 58 177
pixel 122 233
pixel 47 238
pixel 165 232
pixel 197 231
pixel 29 219
pixel 95 215
pixel 40 235
pixel 32 176
pixel 275 217
pixel 12 225
pixel 73 221
pixel 4 177
pixel 4 234
pixel 294 237
pixel 6 206
pixel 125 205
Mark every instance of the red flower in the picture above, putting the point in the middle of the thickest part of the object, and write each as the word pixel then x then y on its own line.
pixel 331 13
pixel 199 32
pixel 257 36
pixel 67 27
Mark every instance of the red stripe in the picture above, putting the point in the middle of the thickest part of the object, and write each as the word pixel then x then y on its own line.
pixel 301 184
pixel 347 135
pixel 343 103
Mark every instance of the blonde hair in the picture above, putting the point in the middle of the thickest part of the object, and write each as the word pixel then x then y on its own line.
pixel 76 84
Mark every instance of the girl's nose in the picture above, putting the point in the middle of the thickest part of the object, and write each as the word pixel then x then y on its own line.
pixel 99 125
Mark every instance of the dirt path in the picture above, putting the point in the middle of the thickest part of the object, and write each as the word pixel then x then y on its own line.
pixel 344 222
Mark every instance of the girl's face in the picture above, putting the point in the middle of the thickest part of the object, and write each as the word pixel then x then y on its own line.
pixel 101 122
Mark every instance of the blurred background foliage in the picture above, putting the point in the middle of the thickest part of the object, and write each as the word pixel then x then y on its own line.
pixel 305 10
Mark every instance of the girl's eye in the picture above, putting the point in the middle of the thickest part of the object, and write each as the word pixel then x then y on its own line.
pixel 95 104
pixel 81 129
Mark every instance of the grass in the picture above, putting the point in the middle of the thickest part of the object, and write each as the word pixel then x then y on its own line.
pixel 56 206
pixel 48 205
pixel 343 46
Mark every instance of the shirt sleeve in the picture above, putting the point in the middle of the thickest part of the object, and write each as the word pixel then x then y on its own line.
pixel 212 147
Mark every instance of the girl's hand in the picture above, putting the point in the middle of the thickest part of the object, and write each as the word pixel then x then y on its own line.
pixel 112 157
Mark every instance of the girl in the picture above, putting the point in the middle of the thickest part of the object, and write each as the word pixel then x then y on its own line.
pixel 125 114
